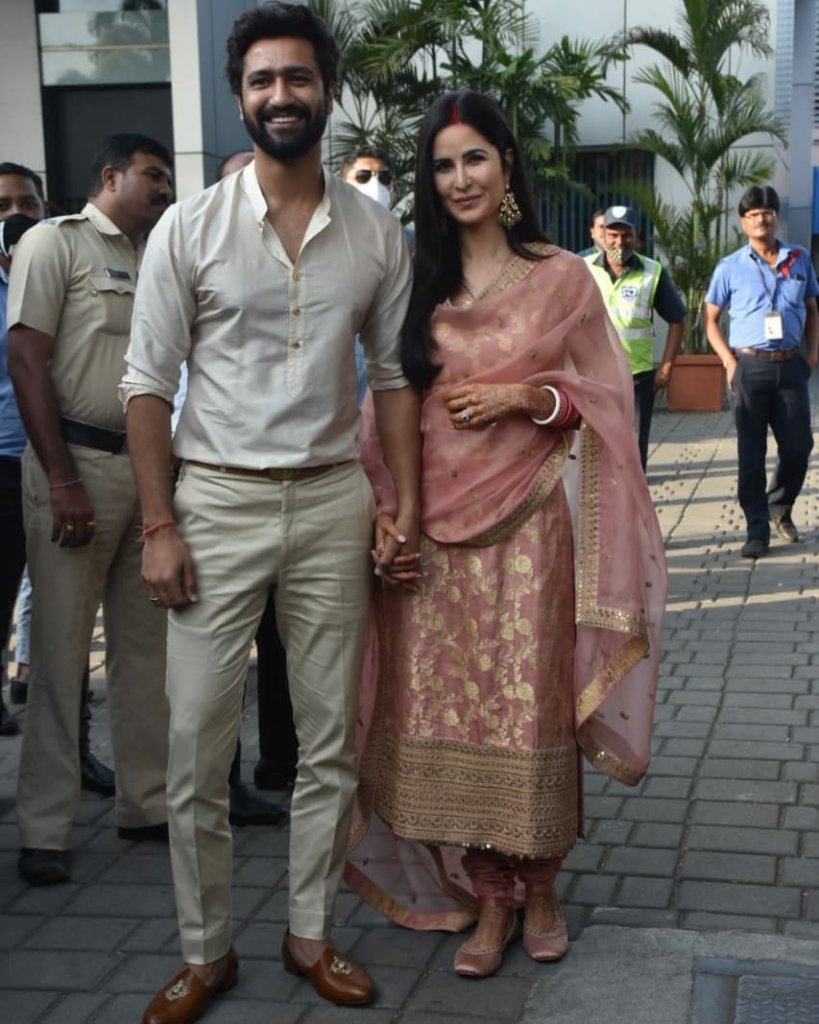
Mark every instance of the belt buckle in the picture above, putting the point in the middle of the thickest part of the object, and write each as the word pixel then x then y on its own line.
pixel 284 474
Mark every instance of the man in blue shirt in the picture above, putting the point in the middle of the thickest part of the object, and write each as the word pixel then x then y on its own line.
pixel 21 192
pixel 770 289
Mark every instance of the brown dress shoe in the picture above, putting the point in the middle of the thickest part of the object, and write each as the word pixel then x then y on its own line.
pixel 334 977
pixel 186 997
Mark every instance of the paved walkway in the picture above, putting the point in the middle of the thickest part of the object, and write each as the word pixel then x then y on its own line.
pixel 714 859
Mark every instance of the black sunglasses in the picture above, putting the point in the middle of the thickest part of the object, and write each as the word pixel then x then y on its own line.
pixel 364 175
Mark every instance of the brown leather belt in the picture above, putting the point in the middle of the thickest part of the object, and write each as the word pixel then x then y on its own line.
pixel 778 356
pixel 297 473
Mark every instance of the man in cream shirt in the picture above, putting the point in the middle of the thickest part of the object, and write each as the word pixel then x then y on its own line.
pixel 261 284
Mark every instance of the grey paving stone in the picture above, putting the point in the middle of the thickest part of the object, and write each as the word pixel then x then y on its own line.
pixel 705 922
pixel 691 713
pixel 268 842
pixel 683 730
pixel 682 767
pixel 730 867
pixel 246 900
pixel 45 899
pixel 400 947
pixel 496 999
pixel 25 1007
pixel 761 700
pixel 594 890
pixel 347 1015
pixel 14 928
pixel 229 1009
pixel 667 786
pixel 641 860
pixel 132 869
pixel 264 979
pixel 803 872
pixel 76 1009
pixel 63 971
pixel 275 908
pixel 660 835
pixel 727 898
pixel 675 747
pixel 260 939
pixel 260 871
pixel 646 809
pixel 603 806
pixel 93 934
pixel 610 832
pixel 743 715
pixel 153 936
pixel 743 840
pixel 706 812
pixel 635 917
pixel 801 818
pixel 645 892
pixel 746 790
pixel 125 900
pixel 729 768
pixel 583 857
pixel 142 972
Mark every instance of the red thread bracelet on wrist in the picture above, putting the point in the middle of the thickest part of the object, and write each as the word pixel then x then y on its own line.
pixel 149 531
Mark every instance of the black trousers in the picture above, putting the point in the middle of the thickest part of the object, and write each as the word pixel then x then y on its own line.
pixel 278 747
pixel 12 543
pixel 768 394
pixel 644 404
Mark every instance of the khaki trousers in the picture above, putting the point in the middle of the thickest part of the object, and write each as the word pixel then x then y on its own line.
pixel 310 539
pixel 68 586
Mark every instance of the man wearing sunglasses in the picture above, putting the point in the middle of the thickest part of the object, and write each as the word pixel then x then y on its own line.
pixel 771 290
pixel 370 170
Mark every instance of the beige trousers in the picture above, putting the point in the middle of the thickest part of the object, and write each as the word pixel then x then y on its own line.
pixel 310 539
pixel 68 586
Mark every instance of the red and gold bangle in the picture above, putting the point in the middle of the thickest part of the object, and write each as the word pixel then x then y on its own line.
pixel 149 531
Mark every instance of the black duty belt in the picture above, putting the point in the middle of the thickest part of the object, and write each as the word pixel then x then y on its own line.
pixel 88 436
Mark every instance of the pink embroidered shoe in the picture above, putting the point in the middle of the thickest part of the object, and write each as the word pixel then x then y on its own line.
pixel 549 943
pixel 473 960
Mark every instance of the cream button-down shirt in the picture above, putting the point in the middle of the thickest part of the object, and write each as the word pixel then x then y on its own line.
pixel 269 343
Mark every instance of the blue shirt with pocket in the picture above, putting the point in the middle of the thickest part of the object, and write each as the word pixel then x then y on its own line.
pixel 12 432
pixel 751 289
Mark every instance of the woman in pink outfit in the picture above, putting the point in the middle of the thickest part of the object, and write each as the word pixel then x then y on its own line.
pixel 532 634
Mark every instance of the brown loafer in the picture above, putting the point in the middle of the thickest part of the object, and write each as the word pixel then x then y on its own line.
pixel 335 977
pixel 186 997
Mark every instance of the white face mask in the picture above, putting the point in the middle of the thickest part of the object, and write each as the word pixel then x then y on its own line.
pixel 374 189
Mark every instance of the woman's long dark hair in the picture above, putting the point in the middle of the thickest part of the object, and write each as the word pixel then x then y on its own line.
pixel 438 267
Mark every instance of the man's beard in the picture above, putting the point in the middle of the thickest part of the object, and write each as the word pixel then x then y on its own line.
pixel 621 255
pixel 298 142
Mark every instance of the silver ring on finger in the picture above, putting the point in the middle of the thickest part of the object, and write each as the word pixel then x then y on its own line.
pixel 153 599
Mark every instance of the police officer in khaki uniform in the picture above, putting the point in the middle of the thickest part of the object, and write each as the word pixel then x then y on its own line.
pixel 69 314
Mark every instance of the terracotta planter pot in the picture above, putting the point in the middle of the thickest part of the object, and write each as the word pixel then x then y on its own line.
pixel 697 384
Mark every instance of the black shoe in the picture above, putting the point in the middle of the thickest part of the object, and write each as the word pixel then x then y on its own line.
pixel 269 775
pixel 785 528
pixel 95 776
pixel 145 833
pixel 18 691
pixel 43 867
pixel 754 547
pixel 248 809
pixel 8 726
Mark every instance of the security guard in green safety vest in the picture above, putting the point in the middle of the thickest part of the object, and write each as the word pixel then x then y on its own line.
pixel 633 288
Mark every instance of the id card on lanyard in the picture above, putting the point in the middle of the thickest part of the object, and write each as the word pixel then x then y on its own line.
pixel 774 327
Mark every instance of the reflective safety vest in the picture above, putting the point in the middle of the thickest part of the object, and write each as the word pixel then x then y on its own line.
pixel 630 300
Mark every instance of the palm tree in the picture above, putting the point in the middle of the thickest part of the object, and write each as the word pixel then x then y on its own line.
pixel 404 53
pixel 704 111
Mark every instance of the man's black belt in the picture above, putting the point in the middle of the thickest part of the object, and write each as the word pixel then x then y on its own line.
pixel 88 436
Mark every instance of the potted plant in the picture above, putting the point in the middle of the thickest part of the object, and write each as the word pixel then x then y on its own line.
pixel 705 110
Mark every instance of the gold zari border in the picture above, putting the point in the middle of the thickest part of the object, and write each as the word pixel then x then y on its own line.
pixel 601 686
pixel 587 611
pixel 520 802
pixel 607 763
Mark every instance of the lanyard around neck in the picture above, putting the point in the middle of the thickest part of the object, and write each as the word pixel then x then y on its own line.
pixel 770 294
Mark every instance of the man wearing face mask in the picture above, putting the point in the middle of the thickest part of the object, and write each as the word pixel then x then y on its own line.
pixel 634 287
pixel 371 171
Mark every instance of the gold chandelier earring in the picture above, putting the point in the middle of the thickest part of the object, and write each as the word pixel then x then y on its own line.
pixel 509 213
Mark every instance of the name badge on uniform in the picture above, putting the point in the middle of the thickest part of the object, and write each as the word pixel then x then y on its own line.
pixel 118 275
pixel 773 327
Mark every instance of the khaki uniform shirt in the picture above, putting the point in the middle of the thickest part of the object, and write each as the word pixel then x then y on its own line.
pixel 269 342
pixel 74 279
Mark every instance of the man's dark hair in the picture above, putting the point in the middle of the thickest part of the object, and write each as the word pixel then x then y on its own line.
pixel 275 21
pixel 118 151
pixel 595 215
pixel 24 172
pixel 373 153
pixel 758 197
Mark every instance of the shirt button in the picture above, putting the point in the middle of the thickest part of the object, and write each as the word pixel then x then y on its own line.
pixel 296 275
pixel 297 311
pixel 296 344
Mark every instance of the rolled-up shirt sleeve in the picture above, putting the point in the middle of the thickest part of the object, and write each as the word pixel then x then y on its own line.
pixel 164 309
pixel 381 331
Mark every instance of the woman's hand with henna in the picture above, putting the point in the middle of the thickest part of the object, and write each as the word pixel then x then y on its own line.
pixel 481 405
pixel 403 568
